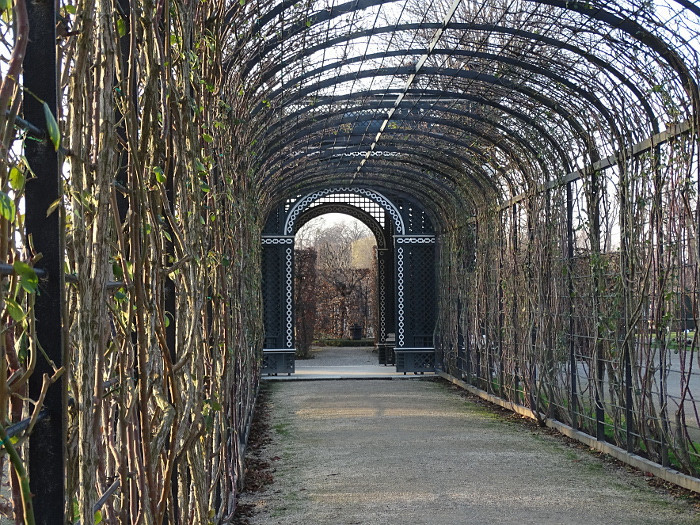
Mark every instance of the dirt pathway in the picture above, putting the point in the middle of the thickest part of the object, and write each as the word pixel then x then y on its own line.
pixel 397 452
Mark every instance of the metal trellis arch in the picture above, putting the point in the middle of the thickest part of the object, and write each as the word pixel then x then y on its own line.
pixel 406 290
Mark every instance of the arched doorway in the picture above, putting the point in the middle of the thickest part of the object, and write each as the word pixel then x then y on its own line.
pixel 405 268
pixel 348 247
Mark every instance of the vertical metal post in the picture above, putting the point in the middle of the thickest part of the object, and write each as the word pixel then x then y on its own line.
pixel 289 296
pixel 47 442
pixel 122 177
pixel 501 324
pixel 533 360
pixel 471 300
pixel 389 289
pixel 399 322
pixel 381 295
pixel 599 408
pixel 468 338
pixel 514 312
pixel 570 284
pixel 658 226
pixel 460 337
pixel 626 269
pixel 170 306
pixel 628 400
pixel 594 217
pixel 663 399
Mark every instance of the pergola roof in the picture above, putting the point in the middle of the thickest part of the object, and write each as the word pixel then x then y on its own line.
pixel 460 104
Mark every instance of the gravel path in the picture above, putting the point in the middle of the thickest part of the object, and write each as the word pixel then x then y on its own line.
pixel 397 452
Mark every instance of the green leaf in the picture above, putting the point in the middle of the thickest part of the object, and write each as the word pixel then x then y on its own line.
pixel 130 269
pixel 27 167
pixel 28 278
pixel 98 517
pixel 7 207
pixel 52 207
pixel 6 5
pixel 160 176
pixel 52 127
pixel 70 9
pixel 117 271
pixel 201 168
pixel 207 137
pixel 121 27
pixel 242 2
pixel 14 309
pixel 16 179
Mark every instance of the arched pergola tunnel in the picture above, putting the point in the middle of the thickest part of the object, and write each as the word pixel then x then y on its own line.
pixel 551 145
pixel 544 141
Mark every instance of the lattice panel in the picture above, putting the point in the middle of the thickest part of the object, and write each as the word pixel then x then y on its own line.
pixel 416 300
pixel 351 199
pixel 275 221
pixel 415 360
pixel 386 290
pixel 385 354
pixel 381 281
pixel 278 362
pixel 414 217
pixel 274 293
pixel 372 202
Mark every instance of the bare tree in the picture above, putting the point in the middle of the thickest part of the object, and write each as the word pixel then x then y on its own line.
pixel 343 290
pixel 305 297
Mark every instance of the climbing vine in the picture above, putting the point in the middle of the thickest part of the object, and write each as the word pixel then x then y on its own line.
pixel 554 145
pixel 162 232
pixel 600 335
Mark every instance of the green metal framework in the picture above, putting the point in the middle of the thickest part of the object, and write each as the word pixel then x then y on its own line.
pixel 541 157
pixel 406 293
pixel 553 144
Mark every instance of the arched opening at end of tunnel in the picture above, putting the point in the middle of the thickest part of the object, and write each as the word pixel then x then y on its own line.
pixel 336 290
pixel 404 289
